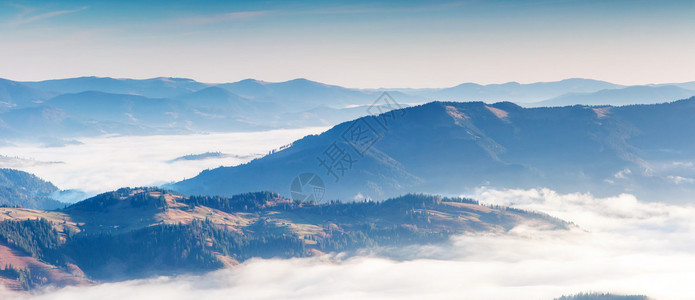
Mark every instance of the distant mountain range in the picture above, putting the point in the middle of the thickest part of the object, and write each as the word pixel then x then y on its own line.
pixel 603 296
pixel 88 106
pixel 621 96
pixel 514 91
pixel 453 147
pixel 143 232
pixel 302 94
pixel 14 94
pixel 152 88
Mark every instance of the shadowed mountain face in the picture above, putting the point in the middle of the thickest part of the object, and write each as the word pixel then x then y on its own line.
pixel 19 188
pixel 453 147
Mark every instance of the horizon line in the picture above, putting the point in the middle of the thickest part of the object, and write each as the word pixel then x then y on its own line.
pixel 345 86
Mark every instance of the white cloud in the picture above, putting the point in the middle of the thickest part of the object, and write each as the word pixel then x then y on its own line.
pixel 622 174
pixel 582 208
pixel 686 164
pixel 27 16
pixel 107 163
pixel 680 179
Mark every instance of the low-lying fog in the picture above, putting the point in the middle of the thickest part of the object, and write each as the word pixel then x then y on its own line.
pixel 102 164
pixel 620 245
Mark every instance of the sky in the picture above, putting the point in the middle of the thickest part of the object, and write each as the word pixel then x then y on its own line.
pixel 360 44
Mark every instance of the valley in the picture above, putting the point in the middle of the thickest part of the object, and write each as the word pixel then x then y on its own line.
pixel 311 150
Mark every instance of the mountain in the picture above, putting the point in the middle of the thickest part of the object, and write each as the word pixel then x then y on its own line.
pixel 46 122
pixel 142 232
pixel 302 94
pixel 321 116
pixel 685 85
pixel 216 100
pixel 210 109
pixel 19 188
pixel 249 88
pixel 161 87
pixel 690 85
pixel 128 109
pixel 514 91
pixel 14 94
pixel 624 96
pixel 88 106
pixel 603 296
pixel 454 147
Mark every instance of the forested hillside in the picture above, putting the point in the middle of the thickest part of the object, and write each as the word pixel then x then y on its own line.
pixel 134 233
pixel 18 188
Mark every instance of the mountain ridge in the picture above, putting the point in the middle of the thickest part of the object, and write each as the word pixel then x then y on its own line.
pixel 178 105
pixel 443 145
pixel 140 232
pixel 621 96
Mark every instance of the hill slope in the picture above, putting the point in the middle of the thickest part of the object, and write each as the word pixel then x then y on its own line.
pixel 19 188
pixel 451 147
pixel 132 233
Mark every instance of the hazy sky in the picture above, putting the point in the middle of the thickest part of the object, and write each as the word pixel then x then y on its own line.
pixel 351 43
